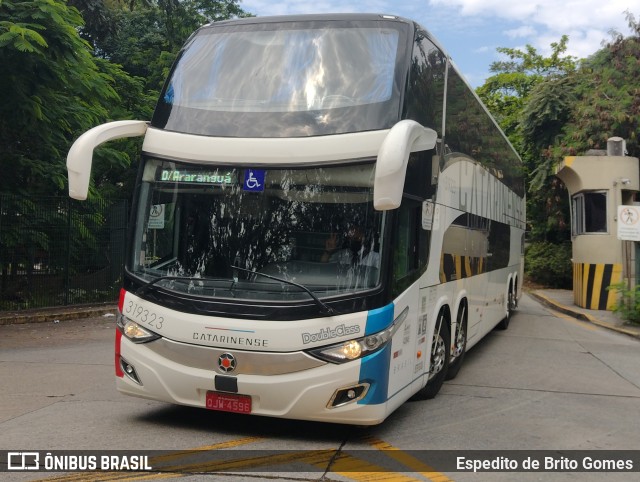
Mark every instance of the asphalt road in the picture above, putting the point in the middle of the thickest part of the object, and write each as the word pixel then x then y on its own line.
pixel 549 382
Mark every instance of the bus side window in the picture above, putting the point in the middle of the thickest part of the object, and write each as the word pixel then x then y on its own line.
pixel 425 90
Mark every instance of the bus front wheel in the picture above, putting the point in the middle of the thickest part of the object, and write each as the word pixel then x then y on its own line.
pixel 439 362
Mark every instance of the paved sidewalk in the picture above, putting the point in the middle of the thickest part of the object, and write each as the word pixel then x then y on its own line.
pixel 60 313
pixel 562 301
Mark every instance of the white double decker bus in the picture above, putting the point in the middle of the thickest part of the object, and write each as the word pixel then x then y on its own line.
pixel 326 218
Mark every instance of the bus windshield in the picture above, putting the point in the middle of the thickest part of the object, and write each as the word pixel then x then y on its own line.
pixel 255 234
pixel 276 80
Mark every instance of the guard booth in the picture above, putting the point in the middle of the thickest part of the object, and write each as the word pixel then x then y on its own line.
pixel 605 222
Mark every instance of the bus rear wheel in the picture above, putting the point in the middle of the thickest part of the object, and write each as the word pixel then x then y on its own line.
pixel 459 343
pixel 511 306
pixel 439 362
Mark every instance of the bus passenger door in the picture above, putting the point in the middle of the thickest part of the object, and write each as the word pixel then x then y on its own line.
pixel 410 253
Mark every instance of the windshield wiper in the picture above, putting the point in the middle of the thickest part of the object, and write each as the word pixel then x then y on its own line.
pixel 144 287
pixel 325 307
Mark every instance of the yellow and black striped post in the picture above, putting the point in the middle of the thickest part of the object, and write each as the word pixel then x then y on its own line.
pixel 590 283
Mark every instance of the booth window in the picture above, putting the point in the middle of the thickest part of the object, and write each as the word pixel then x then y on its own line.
pixel 589 213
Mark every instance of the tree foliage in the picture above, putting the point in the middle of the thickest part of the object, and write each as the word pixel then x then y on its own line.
pixel 608 96
pixel 580 111
pixel 549 264
pixel 144 36
pixel 52 88
pixel 507 91
pixel 528 80
pixel 71 65
pixel 555 106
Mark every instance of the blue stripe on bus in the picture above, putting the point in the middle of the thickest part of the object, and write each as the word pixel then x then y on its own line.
pixel 374 369
pixel 379 319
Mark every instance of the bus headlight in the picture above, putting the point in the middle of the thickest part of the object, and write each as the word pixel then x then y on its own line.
pixel 353 349
pixel 135 332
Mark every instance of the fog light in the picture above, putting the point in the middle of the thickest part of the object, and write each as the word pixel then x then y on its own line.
pixel 129 371
pixel 347 395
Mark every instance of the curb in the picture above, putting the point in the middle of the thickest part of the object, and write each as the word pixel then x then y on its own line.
pixel 579 315
pixel 17 318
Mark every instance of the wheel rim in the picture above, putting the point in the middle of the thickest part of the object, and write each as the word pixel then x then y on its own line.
pixel 458 349
pixel 438 355
pixel 460 337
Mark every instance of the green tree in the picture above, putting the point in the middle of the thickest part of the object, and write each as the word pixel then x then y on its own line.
pixel 143 37
pixel 541 122
pixel 52 88
pixel 516 87
pixel 507 91
pixel 571 114
pixel 607 97
pixel 98 19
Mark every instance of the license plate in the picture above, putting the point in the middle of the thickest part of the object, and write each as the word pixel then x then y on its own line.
pixel 228 402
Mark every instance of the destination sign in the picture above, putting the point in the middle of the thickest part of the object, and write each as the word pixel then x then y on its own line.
pixel 213 177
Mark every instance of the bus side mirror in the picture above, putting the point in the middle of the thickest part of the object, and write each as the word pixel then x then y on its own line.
pixel 80 155
pixel 391 167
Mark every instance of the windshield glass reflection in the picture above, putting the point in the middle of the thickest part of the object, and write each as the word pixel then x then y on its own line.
pixel 285 80
pixel 315 227
pixel 285 70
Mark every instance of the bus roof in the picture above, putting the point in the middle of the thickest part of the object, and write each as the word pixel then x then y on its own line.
pixel 312 17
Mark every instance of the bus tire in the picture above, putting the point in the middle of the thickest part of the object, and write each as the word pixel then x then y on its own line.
pixel 439 362
pixel 460 342
pixel 504 324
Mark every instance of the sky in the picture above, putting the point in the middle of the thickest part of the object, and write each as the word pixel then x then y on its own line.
pixel 471 30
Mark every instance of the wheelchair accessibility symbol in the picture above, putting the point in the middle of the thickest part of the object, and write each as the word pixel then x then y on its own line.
pixel 254 180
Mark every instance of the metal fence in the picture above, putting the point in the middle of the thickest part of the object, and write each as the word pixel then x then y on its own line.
pixel 57 251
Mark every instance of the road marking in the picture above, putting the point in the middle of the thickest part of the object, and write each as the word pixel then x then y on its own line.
pixel 98 476
pixel 408 460
pixel 218 446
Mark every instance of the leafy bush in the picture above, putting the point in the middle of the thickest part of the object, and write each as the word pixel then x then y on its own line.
pixel 549 264
pixel 628 304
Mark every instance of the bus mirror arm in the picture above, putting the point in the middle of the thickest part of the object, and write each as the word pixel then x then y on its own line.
pixel 80 155
pixel 405 137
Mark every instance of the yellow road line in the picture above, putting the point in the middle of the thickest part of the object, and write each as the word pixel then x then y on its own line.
pixel 251 462
pixel 219 446
pixel 344 464
pixel 408 460
pixel 104 476
pixel 361 470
